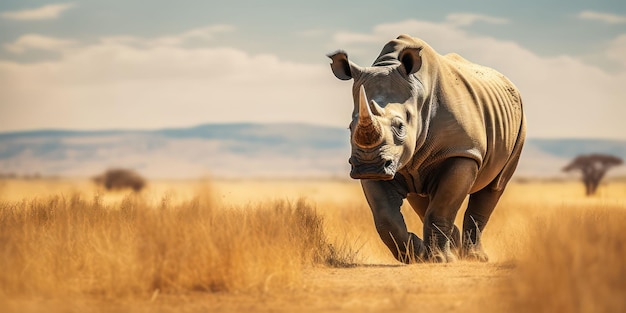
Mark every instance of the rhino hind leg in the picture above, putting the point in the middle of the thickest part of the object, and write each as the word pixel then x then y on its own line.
pixel 448 193
pixel 481 205
pixel 420 205
pixel 456 241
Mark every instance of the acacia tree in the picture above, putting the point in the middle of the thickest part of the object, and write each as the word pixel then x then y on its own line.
pixel 120 178
pixel 593 168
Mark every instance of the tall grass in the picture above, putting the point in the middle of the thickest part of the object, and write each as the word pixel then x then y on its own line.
pixel 551 248
pixel 76 245
pixel 574 260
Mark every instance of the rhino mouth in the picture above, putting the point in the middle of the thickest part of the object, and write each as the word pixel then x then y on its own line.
pixel 380 170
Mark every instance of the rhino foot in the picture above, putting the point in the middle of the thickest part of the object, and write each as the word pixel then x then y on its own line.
pixel 443 245
pixel 472 249
pixel 443 257
pixel 443 254
pixel 472 252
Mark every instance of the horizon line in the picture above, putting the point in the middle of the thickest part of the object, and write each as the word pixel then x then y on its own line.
pixel 69 131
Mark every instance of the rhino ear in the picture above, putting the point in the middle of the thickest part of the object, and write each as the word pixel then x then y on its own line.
pixel 411 60
pixel 341 66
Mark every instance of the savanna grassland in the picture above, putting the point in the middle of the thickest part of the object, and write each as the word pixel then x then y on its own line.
pixel 296 246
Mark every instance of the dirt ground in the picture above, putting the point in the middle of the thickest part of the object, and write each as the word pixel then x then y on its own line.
pixel 375 288
pixel 462 286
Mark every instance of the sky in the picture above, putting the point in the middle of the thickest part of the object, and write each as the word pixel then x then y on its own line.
pixel 120 64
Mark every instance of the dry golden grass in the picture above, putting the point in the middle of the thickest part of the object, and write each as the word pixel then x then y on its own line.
pixel 67 246
pixel 568 250
pixel 573 261
pixel 289 246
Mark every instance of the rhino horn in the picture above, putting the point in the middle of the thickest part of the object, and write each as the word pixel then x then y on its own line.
pixel 368 130
pixel 367 109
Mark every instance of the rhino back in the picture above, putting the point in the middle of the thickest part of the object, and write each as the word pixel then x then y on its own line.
pixel 477 113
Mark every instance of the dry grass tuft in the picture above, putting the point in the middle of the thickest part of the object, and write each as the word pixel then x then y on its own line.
pixel 63 246
pixel 573 262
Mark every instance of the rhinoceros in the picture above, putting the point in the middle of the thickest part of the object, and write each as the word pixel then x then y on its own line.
pixel 431 129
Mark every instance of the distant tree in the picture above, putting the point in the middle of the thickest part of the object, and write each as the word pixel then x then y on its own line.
pixel 119 178
pixel 593 168
pixel 8 175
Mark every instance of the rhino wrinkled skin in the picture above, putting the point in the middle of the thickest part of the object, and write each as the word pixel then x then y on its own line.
pixel 431 129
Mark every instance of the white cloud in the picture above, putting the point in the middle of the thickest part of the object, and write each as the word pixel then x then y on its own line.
pixel 116 83
pixel 563 96
pixel 202 34
pixel 603 17
pixel 45 12
pixel 617 50
pixel 38 42
pixel 466 19
pixel 131 82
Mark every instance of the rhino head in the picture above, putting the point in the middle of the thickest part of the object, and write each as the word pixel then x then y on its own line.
pixel 384 124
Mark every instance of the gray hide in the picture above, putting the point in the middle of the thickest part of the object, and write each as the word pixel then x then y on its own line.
pixel 431 129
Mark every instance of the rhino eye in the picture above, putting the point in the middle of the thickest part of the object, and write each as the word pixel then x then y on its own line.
pixel 398 127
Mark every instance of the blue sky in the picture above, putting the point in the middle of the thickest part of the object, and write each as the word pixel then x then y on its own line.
pixel 136 64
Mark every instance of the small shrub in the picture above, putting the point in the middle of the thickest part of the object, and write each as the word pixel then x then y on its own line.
pixel 119 178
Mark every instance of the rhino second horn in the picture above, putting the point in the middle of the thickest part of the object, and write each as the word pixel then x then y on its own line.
pixel 368 131
pixel 376 109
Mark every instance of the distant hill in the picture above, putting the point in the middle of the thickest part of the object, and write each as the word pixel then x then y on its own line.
pixel 233 150
pixel 546 157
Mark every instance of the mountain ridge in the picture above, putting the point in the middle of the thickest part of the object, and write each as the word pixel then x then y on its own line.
pixel 233 150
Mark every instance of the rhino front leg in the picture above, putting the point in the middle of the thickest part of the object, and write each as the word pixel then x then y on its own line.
pixel 385 200
pixel 455 179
